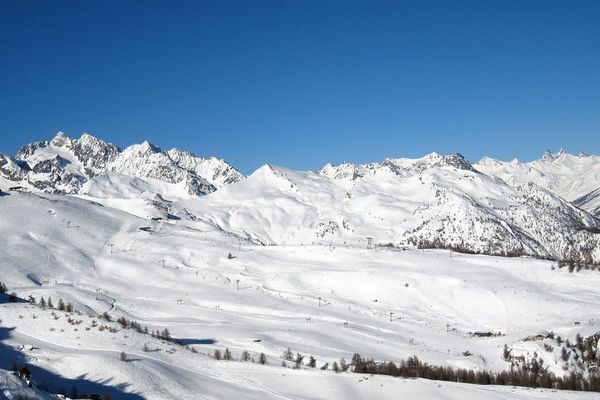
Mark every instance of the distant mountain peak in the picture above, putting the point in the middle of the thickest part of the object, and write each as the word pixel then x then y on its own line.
pixel 60 139
pixel 400 167
pixel 548 156
pixel 146 146
pixel 64 165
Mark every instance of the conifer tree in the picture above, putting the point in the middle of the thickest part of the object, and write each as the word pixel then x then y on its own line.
pixel 262 359
pixel 245 356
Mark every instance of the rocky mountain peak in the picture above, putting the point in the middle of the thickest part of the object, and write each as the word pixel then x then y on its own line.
pixel 61 139
pixel 64 164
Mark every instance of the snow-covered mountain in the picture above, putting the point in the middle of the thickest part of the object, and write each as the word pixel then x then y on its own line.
pixel 65 165
pixel 439 201
pixel 323 301
pixel 402 167
pixel 575 178
pixel 125 239
pixel 436 201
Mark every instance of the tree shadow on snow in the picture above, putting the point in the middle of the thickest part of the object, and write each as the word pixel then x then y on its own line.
pixel 53 383
pixel 189 342
pixel 5 298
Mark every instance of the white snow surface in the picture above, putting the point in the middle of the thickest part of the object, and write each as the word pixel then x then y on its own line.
pixel 326 263
pixel 438 206
pixel 176 274
pixel 570 176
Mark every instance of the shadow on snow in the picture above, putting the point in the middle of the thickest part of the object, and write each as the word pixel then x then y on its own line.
pixel 189 342
pixel 53 383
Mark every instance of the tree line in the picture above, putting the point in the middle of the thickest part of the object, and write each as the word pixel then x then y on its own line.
pixel 533 378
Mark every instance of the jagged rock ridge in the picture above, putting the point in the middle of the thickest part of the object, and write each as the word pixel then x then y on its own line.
pixel 64 165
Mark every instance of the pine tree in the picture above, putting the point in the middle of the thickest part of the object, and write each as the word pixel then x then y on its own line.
pixel 42 302
pixel 298 360
pixel 335 367
pixel 343 364
pixel 227 356
pixel 69 307
pixel 146 349
pixel 123 356
pixel 61 305
pixel 50 305
pixel 25 373
pixel 262 359
pixel 312 362
pixel 245 356
pixel 217 355
pixel 2 287
pixel 565 354
pixel 288 355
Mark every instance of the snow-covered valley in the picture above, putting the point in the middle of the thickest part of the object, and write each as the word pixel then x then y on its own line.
pixel 327 264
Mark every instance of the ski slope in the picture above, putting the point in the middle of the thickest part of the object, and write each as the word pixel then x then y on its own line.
pixel 326 300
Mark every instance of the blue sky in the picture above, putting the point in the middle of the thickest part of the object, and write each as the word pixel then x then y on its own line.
pixel 302 83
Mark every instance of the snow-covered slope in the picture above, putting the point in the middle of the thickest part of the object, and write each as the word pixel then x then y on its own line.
pixel 148 161
pixel 573 177
pixel 324 263
pixel 436 201
pixel 439 201
pixel 590 202
pixel 325 301
pixel 65 165
pixel 402 167
pixel 215 171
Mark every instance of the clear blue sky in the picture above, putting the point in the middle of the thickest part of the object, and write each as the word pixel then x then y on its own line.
pixel 302 83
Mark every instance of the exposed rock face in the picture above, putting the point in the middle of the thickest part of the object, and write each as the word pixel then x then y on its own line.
pixel 63 165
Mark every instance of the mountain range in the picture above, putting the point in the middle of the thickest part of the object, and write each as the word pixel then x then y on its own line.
pixel 64 165
pixel 547 208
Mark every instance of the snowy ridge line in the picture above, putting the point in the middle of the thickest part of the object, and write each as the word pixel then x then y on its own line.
pixel 430 205
pixel 65 165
